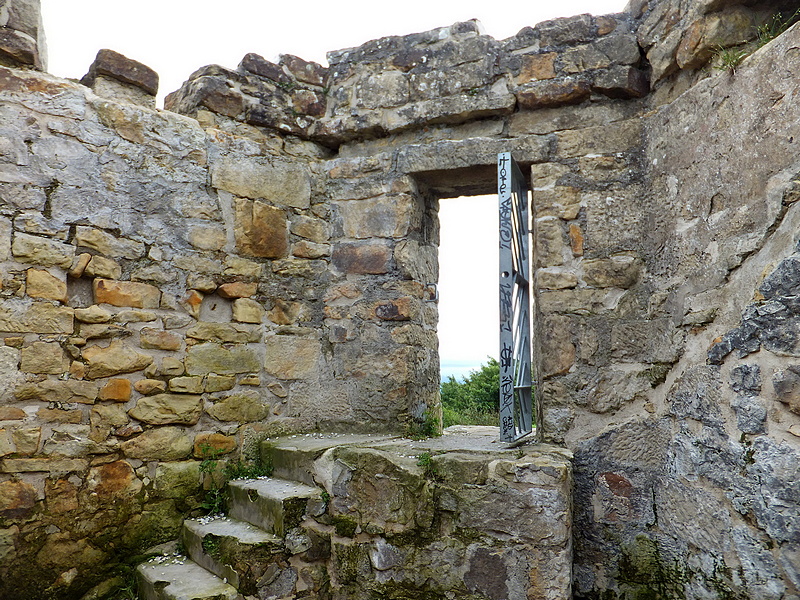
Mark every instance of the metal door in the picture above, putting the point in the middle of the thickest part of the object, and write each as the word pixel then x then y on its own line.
pixel 516 409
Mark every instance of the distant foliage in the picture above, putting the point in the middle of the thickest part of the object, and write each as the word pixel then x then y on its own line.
pixel 474 400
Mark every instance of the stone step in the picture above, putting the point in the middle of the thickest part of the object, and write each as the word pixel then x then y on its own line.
pixel 234 550
pixel 293 457
pixel 274 505
pixel 179 578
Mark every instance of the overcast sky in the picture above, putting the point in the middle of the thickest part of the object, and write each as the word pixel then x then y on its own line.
pixel 176 37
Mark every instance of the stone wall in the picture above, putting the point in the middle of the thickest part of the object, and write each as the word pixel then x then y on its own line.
pixel 261 263
pixel 695 481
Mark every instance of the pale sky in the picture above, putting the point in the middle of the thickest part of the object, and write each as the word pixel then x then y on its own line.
pixel 176 37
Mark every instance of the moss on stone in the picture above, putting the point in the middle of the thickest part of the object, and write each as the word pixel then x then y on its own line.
pixel 644 574
pixel 345 526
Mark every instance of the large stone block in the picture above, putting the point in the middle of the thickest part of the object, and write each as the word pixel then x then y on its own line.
pixel 290 357
pixel 283 183
pixel 160 443
pixel 557 349
pixel 5 239
pixel 787 387
pixel 93 314
pixel 620 271
pixel 362 258
pixel 382 217
pixel 100 266
pixel 23 39
pixel 622 82
pixel 42 251
pixel 191 384
pixel 208 444
pixel 126 293
pixel 417 261
pixel 6 443
pixel 553 92
pixel 313 229
pixel 19 49
pixel 584 58
pixel 237 289
pixel 39 317
pixel 403 501
pixel 260 230
pixel 214 358
pixel 566 30
pixel 246 310
pixel 711 32
pixel 113 64
pixel 49 390
pixel 178 480
pixel 114 359
pixel 41 284
pixel 159 339
pixel 535 67
pixel 224 332
pixel 382 90
pixel 305 71
pixel 43 357
pixel 163 409
pixel 550 247
pixel 17 499
pixel 607 139
pixel 107 244
pixel 247 407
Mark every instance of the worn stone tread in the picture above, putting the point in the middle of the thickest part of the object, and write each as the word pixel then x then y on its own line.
pixel 274 505
pixel 293 457
pixel 240 535
pixel 279 489
pixel 176 578
pixel 244 532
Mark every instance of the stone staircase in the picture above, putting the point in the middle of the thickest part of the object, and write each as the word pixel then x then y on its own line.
pixel 232 557
pixel 246 554
pixel 357 516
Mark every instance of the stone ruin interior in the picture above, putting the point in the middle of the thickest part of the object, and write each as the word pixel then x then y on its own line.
pixel 240 281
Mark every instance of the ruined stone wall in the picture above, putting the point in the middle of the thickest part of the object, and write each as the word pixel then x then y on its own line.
pixel 692 486
pixel 261 263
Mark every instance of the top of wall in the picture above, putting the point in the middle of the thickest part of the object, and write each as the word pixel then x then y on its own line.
pixel 447 75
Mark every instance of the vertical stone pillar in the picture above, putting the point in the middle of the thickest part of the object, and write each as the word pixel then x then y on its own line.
pixel 22 42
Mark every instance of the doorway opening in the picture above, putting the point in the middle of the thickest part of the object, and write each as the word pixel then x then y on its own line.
pixel 468 309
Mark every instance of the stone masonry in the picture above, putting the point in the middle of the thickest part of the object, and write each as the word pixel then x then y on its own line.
pixel 255 260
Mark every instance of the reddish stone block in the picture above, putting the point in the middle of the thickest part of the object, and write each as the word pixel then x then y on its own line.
pixel 543 94
pixel 116 66
pixel 126 293
pixel 117 389
pixel 237 289
pixel 395 310
pixel 11 413
pixel 258 65
pixel 365 259
pixel 260 230
pixel 17 499
pixel 305 71
pixel 159 339
pixel 211 444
